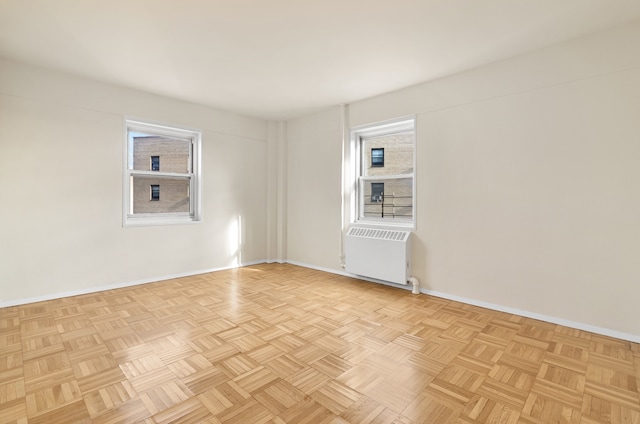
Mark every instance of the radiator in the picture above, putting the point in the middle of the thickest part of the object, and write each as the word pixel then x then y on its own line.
pixel 379 254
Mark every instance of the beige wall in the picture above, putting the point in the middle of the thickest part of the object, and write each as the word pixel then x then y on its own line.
pixel 527 181
pixel 61 168
pixel 313 189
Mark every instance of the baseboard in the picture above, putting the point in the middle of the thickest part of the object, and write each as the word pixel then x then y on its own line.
pixel 275 261
pixel 500 308
pixel 319 268
pixel 534 315
pixel 61 295
pixel 347 274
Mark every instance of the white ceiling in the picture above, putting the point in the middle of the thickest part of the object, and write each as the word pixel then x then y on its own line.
pixel 278 59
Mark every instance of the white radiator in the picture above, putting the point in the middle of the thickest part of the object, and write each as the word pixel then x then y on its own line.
pixel 379 254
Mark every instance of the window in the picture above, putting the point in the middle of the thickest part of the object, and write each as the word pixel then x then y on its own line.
pixel 155 192
pixel 180 175
pixel 384 161
pixel 377 156
pixel 377 191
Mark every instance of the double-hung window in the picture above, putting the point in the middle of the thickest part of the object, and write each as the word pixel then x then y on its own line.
pixel 162 175
pixel 384 161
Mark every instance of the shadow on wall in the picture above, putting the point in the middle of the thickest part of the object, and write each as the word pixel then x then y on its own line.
pixel 419 261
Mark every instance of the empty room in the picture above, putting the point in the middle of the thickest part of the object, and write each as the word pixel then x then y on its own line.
pixel 302 211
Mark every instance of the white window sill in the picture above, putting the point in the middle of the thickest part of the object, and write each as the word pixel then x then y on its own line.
pixel 138 221
pixel 384 224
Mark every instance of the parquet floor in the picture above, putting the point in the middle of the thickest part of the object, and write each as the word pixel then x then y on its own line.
pixel 283 344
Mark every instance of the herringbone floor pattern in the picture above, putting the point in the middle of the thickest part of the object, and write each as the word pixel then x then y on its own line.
pixel 284 344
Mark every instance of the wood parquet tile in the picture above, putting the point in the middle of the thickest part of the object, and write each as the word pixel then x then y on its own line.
pixel 275 344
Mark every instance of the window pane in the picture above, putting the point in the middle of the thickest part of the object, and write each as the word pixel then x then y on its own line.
pixel 173 153
pixel 377 156
pixel 377 191
pixel 389 200
pixel 394 153
pixel 173 195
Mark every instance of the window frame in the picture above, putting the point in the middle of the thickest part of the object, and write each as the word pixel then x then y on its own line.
pixel 359 180
pixel 194 175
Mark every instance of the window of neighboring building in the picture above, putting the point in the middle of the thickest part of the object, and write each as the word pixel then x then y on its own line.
pixel 155 192
pixel 377 192
pixel 179 177
pixel 384 156
pixel 377 156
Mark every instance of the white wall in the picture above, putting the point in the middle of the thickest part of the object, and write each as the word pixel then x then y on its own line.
pixel 61 149
pixel 527 182
pixel 313 189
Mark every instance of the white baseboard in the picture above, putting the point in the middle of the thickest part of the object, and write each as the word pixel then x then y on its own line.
pixel 541 317
pixel 275 261
pixel 346 274
pixel 89 290
pixel 319 268
pixel 554 320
